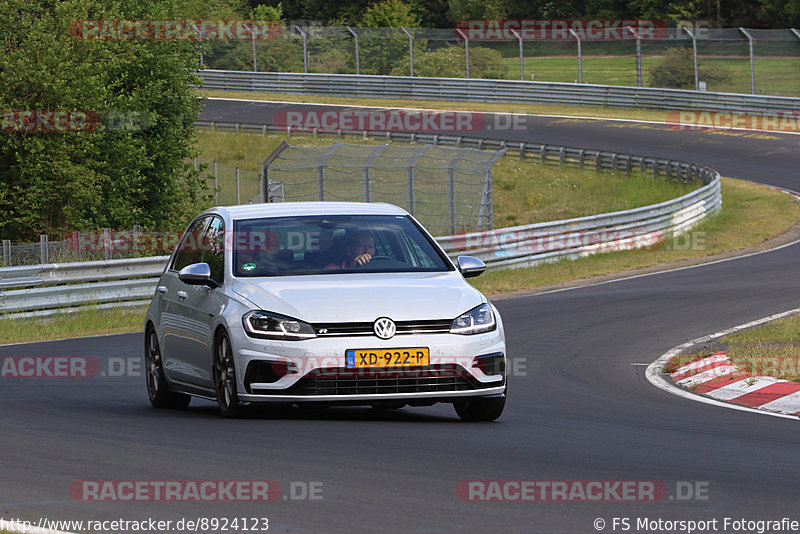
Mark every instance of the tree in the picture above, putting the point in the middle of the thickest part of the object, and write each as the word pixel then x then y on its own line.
pixel 134 168
pixel 382 51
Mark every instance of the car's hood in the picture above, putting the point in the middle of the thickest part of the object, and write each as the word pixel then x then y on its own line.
pixel 333 298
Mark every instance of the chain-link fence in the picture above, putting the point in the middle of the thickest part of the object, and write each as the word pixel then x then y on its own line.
pixel 449 190
pixel 723 60
pixel 231 185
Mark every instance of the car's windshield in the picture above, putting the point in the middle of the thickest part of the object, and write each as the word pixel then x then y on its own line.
pixel 329 244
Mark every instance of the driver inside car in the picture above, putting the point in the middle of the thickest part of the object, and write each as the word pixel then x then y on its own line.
pixel 359 251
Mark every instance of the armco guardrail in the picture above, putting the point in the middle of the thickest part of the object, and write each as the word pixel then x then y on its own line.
pixel 480 90
pixel 106 283
pixel 132 281
pixel 525 246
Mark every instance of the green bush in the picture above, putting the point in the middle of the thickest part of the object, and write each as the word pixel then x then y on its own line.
pixel 676 70
pixel 450 62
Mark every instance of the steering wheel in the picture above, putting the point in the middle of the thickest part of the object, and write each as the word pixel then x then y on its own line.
pixel 376 257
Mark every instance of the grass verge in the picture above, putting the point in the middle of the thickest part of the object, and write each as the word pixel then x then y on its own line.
pixel 770 350
pixel 532 109
pixel 89 322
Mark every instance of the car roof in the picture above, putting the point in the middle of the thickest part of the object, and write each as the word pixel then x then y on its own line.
pixel 285 209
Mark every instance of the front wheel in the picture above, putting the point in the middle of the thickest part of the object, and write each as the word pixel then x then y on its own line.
pixel 225 378
pixel 480 408
pixel 157 389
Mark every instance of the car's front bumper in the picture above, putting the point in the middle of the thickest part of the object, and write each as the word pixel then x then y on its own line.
pixel 318 371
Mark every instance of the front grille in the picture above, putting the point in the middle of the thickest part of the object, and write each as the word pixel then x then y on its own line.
pixel 382 380
pixel 435 326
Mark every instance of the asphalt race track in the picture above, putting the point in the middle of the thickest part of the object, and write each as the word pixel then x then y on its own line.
pixel 579 407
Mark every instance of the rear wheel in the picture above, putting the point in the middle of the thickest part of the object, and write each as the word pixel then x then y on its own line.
pixel 225 378
pixel 480 408
pixel 157 388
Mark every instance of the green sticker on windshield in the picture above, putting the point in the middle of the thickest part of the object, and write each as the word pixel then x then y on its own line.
pixel 248 267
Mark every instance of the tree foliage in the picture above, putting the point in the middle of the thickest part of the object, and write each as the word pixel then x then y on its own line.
pixel 121 174
pixel 379 56
pixel 447 13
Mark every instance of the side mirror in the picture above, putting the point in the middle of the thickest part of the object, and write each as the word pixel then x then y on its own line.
pixel 197 274
pixel 470 266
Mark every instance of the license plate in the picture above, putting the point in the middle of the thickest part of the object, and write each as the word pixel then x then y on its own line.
pixel 360 358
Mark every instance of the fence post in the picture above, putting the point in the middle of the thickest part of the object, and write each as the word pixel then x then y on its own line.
pixel 323 159
pixel 7 251
pixel 355 36
pixel 580 56
pixel 238 191
pixel 216 185
pixel 694 58
pixel 521 59
pixel 410 50
pixel 466 48
pixel 638 56
pixel 43 249
pixel 305 49
pixel 252 33
pixel 107 243
pixel 752 62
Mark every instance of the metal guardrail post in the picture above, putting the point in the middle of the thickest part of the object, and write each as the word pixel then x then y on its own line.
pixel 410 50
pixel 638 56
pixel 580 55
pixel 521 59
pixel 694 57
pixel 355 36
pixel 752 62
pixel 466 48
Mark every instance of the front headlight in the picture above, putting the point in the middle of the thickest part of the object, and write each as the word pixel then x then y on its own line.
pixel 475 321
pixel 267 325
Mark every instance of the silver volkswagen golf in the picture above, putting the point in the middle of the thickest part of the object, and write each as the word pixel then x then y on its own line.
pixel 326 303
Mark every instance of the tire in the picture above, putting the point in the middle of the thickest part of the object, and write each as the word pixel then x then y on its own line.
pixel 224 373
pixel 157 388
pixel 480 408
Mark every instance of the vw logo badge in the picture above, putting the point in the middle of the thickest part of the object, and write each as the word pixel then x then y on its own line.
pixel 384 328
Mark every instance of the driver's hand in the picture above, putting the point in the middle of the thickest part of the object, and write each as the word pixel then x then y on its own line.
pixel 362 259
